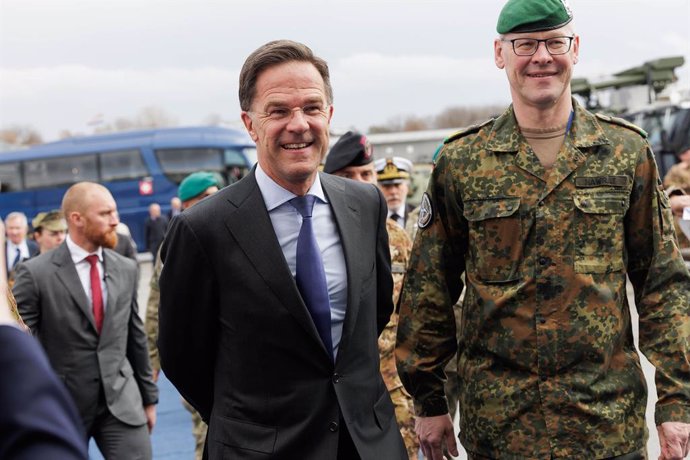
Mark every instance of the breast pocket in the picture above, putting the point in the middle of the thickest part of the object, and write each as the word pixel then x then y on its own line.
pixel 599 231
pixel 496 238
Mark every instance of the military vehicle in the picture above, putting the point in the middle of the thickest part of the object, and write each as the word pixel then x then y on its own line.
pixel 667 123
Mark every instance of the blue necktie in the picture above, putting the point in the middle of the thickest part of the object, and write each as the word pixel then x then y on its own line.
pixel 311 277
pixel 17 258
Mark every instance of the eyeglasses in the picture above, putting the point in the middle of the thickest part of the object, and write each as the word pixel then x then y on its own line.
pixel 284 114
pixel 529 46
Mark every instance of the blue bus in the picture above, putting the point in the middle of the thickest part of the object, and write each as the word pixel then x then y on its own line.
pixel 138 167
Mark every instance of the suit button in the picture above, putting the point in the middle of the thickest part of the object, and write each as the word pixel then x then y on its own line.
pixel 333 426
pixel 336 378
pixel 543 261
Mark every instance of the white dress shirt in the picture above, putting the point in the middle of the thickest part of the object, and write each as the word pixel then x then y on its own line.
pixel 83 267
pixel 287 223
pixel 400 212
pixel 12 252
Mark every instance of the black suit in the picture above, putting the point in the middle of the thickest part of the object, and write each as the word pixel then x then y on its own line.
pixel 38 418
pixel 238 342
pixel 154 230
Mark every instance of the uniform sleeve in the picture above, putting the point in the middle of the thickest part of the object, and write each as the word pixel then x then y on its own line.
pixel 426 329
pixel 662 290
pixel 137 352
pixel 151 324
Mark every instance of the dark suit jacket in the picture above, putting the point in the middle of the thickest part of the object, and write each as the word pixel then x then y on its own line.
pixel 52 302
pixel 154 231
pixel 38 417
pixel 238 342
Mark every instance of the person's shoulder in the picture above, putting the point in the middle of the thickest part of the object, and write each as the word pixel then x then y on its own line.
pixel 115 257
pixel 468 131
pixel 617 123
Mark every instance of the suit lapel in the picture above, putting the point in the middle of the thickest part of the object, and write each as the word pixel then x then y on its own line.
pixel 67 274
pixel 347 217
pixel 250 225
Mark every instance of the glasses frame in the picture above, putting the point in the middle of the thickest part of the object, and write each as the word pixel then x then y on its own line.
pixel 288 117
pixel 546 45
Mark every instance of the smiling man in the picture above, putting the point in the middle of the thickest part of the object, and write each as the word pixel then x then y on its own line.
pixel 275 289
pixel 542 214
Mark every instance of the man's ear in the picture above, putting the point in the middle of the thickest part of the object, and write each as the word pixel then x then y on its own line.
pixel 249 125
pixel 498 54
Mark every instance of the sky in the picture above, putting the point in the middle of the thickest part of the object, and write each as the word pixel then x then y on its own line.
pixel 67 63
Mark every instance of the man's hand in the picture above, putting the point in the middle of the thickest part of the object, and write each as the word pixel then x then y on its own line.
pixel 150 416
pixel 674 439
pixel 678 202
pixel 434 433
pixel 156 373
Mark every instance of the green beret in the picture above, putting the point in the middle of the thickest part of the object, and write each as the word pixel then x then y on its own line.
pixel 52 221
pixel 519 16
pixel 196 183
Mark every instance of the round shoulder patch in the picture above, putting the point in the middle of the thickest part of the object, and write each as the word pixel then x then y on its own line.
pixel 426 212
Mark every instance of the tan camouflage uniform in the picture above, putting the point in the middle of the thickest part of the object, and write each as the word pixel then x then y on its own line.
pixel 547 363
pixel 400 246
pixel 679 177
pixel 199 427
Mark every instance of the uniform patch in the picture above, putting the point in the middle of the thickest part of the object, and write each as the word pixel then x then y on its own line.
pixel 611 181
pixel 426 214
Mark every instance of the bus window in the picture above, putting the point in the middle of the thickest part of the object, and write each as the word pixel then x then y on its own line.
pixel 60 171
pixel 10 177
pixel 178 163
pixel 122 165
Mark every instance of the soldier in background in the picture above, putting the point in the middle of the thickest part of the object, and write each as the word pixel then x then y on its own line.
pixel 49 230
pixel 192 189
pixel 352 157
pixel 393 176
pixel 677 182
pixel 546 210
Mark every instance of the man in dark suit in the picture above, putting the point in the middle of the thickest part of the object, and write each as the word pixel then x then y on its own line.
pixel 269 322
pixel 18 247
pixel 154 228
pixel 79 300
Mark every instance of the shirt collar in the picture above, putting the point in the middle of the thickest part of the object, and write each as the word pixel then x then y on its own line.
pixel 78 253
pixel 274 195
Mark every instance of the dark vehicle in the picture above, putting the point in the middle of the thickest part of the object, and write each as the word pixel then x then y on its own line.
pixel 667 124
pixel 668 128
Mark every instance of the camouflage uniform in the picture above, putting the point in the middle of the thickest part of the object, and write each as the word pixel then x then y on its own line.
pixel 199 427
pixel 400 246
pixel 547 363
pixel 679 177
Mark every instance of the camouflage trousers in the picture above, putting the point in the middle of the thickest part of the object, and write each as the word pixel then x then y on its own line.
pixel 404 414
pixel 199 429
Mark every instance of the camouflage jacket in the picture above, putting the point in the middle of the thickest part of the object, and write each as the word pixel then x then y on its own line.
pixel 400 246
pixel 547 364
pixel 151 323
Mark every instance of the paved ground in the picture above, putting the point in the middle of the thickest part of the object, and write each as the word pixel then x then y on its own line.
pixel 172 438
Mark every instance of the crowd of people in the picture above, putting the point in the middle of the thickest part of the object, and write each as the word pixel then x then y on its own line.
pixel 308 311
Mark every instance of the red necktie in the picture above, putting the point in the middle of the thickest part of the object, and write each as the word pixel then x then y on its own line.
pixel 96 293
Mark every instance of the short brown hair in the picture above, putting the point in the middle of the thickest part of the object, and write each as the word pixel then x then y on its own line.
pixel 274 53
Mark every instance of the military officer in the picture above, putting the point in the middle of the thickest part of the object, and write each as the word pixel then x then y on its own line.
pixel 546 210
pixel 50 229
pixel 352 157
pixel 393 176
